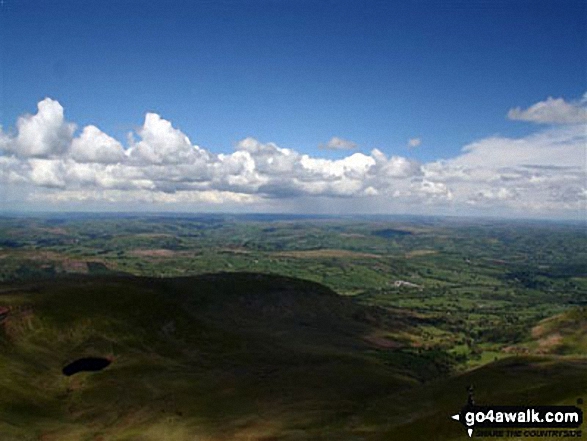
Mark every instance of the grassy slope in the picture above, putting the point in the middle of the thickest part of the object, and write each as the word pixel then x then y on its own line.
pixel 232 356
pixel 425 410
pixel 211 352
pixel 562 334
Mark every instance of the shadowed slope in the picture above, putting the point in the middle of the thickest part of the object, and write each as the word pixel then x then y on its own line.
pixel 228 357
pixel 213 352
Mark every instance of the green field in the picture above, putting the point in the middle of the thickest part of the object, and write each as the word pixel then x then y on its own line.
pixel 267 328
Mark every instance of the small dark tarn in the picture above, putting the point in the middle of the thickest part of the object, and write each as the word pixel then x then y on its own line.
pixel 88 364
pixel 3 312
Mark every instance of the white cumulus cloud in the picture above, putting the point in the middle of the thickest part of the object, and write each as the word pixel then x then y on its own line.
pixel 47 172
pixel 544 172
pixel 337 143
pixel 552 111
pixel 44 134
pixel 96 146
pixel 161 143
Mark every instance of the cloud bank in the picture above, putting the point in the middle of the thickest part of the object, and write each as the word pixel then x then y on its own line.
pixel 44 164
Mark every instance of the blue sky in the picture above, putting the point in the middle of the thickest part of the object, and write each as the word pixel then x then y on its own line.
pixel 298 73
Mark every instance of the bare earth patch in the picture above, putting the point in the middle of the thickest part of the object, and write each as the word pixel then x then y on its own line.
pixel 545 326
pixel 518 350
pixel 75 266
pixel 549 343
pixel 235 250
pixel 418 253
pixel 314 254
pixel 383 342
pixel 157 252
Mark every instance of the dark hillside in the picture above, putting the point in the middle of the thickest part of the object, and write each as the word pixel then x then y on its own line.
pixel 210 352
pixel 231 356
